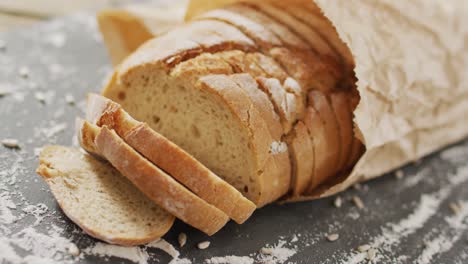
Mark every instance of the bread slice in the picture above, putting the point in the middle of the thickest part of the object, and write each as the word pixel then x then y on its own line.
pixel 158 186
pixel 321 104
pixel 318 134
pixel 340 104
pixel 100 200
pixel 170 158
pixel 303 158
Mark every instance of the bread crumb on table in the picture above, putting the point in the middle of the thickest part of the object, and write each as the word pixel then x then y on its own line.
pixel 182 239
pixel 399 174
pixel 73 250
pixel 204 245
pixel 358 202
pixel 333 237
pixel 363 248
pixel 338 202
pixel 10 143
pixel 371 254
pixel 24 72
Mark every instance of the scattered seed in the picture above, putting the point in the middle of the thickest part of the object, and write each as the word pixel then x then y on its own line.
pixel 266 251
pixel 2 45
pixel 358 202
pixel 371 254
pixel 455 207
pixel 357 186
pixel 399 174
pixel 333 237
pixel 363 248
pixel 182 239
pixel 73 250
pixel 4 91
pixel 69 99
pixel 10 143
pixel 204 245
pixel 24 72
pixel 40 96
pixel 338 202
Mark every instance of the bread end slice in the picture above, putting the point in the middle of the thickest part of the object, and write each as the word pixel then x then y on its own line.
pixel 100 200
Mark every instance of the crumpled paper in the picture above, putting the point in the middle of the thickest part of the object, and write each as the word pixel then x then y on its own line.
pixel 412 70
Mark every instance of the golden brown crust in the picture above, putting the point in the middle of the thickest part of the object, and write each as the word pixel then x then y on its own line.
pixel 317 132
pixel 321 104
pixel 302 150
pixel 186 42
pixel 310 36
pixel 272 184
pixel 169 157
pixel 340 105
pixel 158 186
pixel 122 32
pixel 186 169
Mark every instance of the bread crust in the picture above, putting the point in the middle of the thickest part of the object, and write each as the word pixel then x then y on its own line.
pixel 49 175
pixel 158 186
pixel 272 183
pixel 303 160
pixel 341 108
pixel 170 158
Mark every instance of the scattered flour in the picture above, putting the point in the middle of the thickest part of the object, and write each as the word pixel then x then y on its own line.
pixel 230 260
pixel 413 180
pixel 56 39
pixel 427 207
pixel 278 147
pixel 169 249
pixel 276 254
pixel 38 211
pixel 43 248
pixel 445 240
pixel 135 254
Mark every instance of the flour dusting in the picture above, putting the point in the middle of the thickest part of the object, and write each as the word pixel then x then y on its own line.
pixel 230 260
pixel 445 240
pixel 134 254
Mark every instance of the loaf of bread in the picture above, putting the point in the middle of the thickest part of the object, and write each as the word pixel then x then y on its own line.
pixel 167 156
pixel 235 109
pixel 156 184
pixel 288 76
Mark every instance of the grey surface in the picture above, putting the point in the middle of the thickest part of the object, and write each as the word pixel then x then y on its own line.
pixel 85 66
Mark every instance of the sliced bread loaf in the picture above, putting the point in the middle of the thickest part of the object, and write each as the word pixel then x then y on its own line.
pixel 158 186
pixel 170 158
pixel 100 200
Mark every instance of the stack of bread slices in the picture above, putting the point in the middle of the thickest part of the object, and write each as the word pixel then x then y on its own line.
pixel 233 110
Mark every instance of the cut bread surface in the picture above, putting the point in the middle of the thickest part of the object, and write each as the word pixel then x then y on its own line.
pixel 269 46
pixel 158 186
pixel 170 158
pixel 100 200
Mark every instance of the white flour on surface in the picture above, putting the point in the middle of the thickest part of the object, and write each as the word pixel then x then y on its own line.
pixel 445 240
pixel 393 233
pixel 170 250
pixel 230 260
pixel 276 254
pixel 135 254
